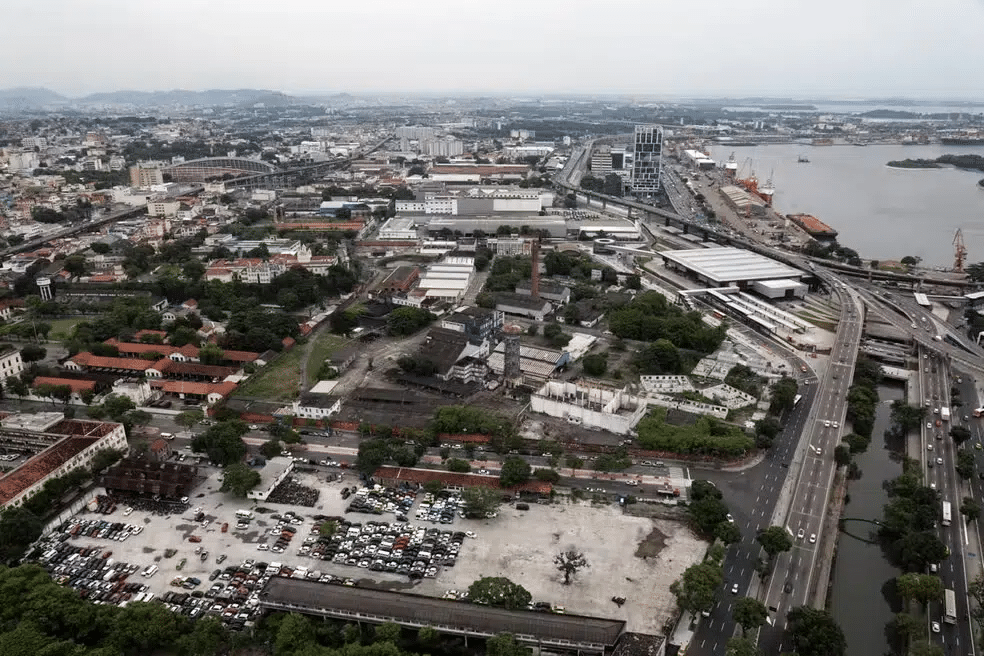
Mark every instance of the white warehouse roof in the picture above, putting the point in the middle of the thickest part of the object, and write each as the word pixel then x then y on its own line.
pixel 727 264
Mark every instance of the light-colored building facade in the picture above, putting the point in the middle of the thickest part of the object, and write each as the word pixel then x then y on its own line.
pixel 11 363
pixel 647 160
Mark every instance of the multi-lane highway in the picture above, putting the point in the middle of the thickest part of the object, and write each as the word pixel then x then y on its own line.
pixel 791 583
pixel 751 497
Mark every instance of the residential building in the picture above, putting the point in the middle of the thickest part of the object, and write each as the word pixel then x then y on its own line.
pixel 11 363
pixel 647 160
pixel 317 406
pixel 146 174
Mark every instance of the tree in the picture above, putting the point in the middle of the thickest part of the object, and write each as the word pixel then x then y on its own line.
pixel 696 590
pixel 925 648
pixel 574 462
pixel 100 248
pixel 19 527
pixel 189 418
pixel 499 591
pixel 960 434
pixel 408 320
pixel 750 613
pixel 480 501
pixel 728 533
pixel 428 636
pixel 33 353
pixel 75 265
pixel 504 644
pixel 775 540
pixel 211 354
pixel 815 633
pixel 138 417
pixel 239 479
pixel 970 509
pixel 222 442
pixel 458 465
pixel 842 455
pixel 388 632
pixel 707 513
pixel 547 475
pixel 784 393
pixel 906 627
pixel 271 448
pixel 570 562
pixel 595 365
pixel 515 471
pixel 966 464
pixel 742 646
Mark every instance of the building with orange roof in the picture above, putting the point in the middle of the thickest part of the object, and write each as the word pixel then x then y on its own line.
pixel 70 445
pixel 209 393
pixel 85 361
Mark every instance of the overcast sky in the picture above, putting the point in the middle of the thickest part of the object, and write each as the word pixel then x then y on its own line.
pixel 842 48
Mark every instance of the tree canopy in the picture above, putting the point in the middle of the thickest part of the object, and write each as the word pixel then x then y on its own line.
pixel 499 591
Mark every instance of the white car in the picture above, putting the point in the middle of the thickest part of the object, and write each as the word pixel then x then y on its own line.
pixel 813 538
pixel 205 523
pixel 836 425
pixel 734 589
pixel 939 461
pixel 800 534
pixel 730 518
pixel 263 547
pixel 827 423
pixel 936 627
pixel 128 511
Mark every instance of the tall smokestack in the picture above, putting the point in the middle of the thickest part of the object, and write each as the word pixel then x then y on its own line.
pixel 535 284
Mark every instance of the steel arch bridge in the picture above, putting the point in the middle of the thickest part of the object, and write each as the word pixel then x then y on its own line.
pixel 207 168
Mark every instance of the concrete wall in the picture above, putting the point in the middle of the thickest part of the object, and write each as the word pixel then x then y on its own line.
pixel 692 407
pixel 614 410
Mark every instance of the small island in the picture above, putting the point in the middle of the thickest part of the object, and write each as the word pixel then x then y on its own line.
pixel 966 162
pixel 915 164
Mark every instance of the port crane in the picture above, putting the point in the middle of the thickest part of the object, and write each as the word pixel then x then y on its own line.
pixel 959 251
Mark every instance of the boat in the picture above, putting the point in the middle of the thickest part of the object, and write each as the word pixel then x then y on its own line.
pixel 768 191
pixel 731 166
pixel 813 226
pixel 803 159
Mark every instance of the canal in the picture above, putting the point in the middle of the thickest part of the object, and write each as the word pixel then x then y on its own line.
pixel 862 597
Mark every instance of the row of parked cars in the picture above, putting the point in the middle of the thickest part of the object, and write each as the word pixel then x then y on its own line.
pixel 440 509
pixel 398 548
pixel 377 500
pixel 90 570
pixel 94 528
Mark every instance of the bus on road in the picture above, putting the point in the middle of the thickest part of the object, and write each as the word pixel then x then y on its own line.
pixel 949 606
pixel 947 512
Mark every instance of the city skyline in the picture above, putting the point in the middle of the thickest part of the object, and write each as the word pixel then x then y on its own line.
pixel 850 50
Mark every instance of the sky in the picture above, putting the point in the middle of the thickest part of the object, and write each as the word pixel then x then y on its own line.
pixel 644 48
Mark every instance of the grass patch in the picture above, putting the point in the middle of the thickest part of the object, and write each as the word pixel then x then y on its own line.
pixel 324 345
pixel 61 329
pixel 278 381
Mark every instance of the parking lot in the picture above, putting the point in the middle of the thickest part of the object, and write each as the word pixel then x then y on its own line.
pixel 397 540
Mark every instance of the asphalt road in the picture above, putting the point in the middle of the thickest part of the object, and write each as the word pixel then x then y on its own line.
pixel 790 584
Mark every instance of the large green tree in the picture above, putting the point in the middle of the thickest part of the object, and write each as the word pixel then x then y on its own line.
pixel 775 540
pixel 815 633
pixel 697 588
pixel 480 501
pixel 514 471
pixel 499 591
pixel 749 613
pixel 239 479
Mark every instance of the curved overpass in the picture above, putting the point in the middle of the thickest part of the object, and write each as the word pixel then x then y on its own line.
pixel 206 168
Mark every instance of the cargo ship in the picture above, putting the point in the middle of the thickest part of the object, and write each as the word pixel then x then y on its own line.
pixel 813 226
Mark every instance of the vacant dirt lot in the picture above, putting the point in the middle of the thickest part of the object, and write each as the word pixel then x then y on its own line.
pixel 520 545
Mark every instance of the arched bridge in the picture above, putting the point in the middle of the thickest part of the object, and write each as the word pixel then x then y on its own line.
pixel 844 520
pixel 207 168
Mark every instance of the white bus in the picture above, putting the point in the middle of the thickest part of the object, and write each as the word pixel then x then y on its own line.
pixel 947 513
pixel 949 606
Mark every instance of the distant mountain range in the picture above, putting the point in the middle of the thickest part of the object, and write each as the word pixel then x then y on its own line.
pixel 36 97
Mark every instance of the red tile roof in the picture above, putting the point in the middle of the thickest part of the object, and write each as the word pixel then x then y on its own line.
pixel 197 389
pixel 139 348
pixel 35 469
pixel 86 359
pixel 76 385
pixel 141 333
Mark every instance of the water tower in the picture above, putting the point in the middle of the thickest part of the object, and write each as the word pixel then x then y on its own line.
pixel 510 363
pixel 44 286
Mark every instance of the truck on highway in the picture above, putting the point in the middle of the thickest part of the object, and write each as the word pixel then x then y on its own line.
pixel 945 413
pixel 947 513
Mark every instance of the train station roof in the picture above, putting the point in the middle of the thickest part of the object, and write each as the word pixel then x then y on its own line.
pixel 726 265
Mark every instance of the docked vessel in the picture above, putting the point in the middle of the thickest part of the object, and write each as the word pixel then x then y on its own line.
pixel 966 140
pixel 813 226
pixel 803 159
pixel 731 167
